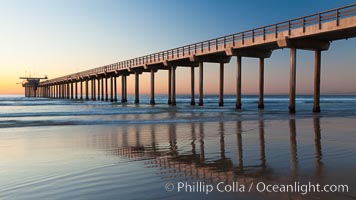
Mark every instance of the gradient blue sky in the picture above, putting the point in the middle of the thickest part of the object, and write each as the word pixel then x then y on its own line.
pixel 58 37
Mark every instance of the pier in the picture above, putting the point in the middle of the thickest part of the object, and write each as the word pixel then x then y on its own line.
pixel 31 85
pixel 313 32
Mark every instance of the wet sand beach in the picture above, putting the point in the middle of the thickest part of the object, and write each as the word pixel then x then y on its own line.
pixel 58 149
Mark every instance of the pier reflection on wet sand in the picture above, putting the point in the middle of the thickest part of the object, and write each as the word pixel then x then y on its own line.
pixel 178 160
pixel 134 160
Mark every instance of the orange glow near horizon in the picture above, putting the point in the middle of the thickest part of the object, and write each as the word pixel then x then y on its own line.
pixel 280 85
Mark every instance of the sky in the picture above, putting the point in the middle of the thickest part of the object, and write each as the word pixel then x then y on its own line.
pixel 60 37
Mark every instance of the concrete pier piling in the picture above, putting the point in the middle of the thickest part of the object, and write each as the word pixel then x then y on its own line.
pixel 111 89
pixel 98 96
pixel 123 88
pixel 174 85
pixel 170 86
pixel 102 89
pixel 106 89
pixel 261 84
pixel 71 91
pixel 152 95
pixel 81 90
pixel 317 71
pixel 86 89
pixel 221 85
pixel 238 82
pixel 91 89
pixel 201 83
pixel 192 86
pixel 137 88
pixel 76 89
pixel 68 90
pixel 292 84
pixel 94 89
pixel 115 89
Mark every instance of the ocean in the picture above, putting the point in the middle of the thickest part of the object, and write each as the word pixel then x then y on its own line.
pixel 73 149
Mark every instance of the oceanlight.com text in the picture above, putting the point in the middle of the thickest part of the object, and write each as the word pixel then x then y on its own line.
pixel 295 187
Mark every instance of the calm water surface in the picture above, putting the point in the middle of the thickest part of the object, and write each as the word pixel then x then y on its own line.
pixel 61 149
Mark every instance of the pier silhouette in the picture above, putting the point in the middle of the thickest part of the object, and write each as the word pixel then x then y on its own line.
pixel 313 32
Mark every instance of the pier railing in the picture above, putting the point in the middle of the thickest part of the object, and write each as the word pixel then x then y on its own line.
pixel 214 44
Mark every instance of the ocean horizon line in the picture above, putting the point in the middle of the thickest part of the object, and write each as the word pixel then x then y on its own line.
pixel 215 94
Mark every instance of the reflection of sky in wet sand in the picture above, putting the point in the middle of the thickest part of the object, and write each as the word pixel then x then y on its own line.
pixel 84 160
